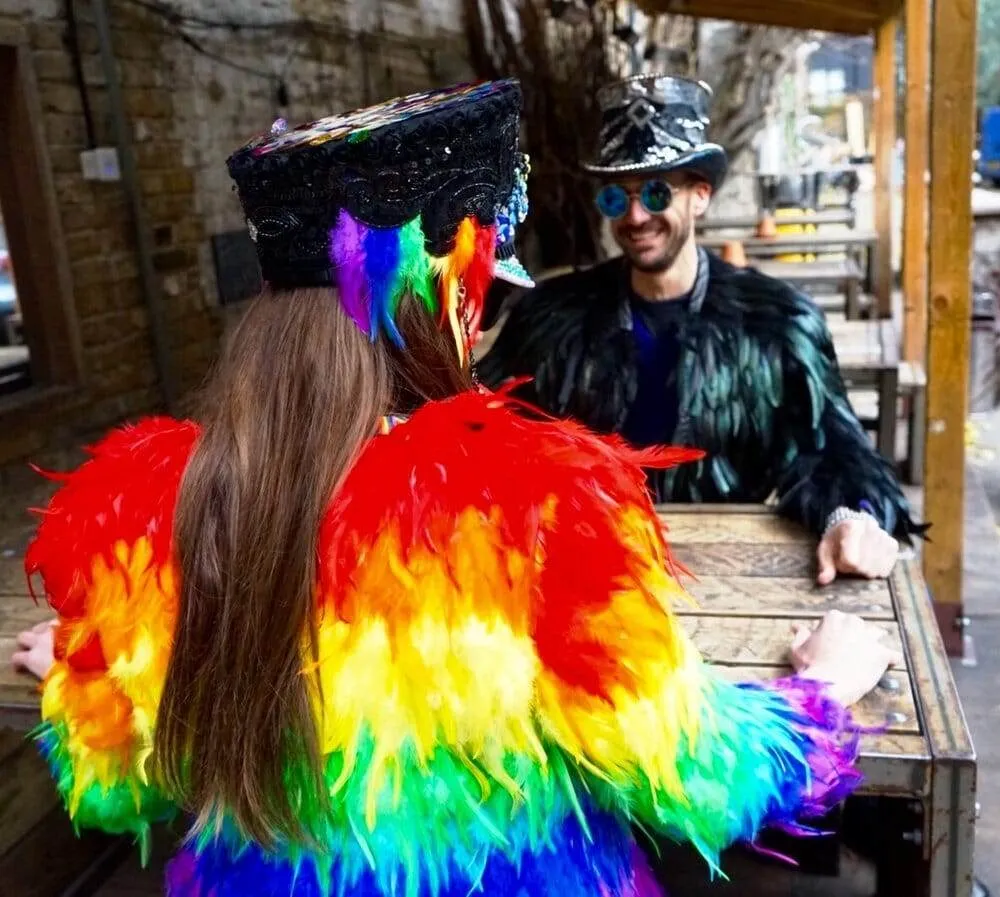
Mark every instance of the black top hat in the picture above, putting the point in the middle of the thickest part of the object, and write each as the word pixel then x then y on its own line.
pixel 440 156
pixel 657 123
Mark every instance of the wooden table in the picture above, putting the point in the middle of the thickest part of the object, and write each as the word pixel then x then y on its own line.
pixel 868 355
pixel 755 579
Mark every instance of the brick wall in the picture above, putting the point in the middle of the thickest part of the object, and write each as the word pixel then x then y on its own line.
pixel 187 112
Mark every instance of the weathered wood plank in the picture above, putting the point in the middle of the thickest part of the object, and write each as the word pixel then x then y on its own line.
pixel 27 794
pixel 915 185
pixel 882 707
pixel 847 17
pixel 19 694
pixel 733 528
pixel 950 215
pixel 755 641
pixel 895 764
pixel 722 559
pixel 930 671
pixel 760 596
pixel 52 857
pixel 18 612
pixel 12 578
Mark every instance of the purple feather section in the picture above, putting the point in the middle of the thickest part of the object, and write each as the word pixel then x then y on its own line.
pixel 347 252
pixel 835 738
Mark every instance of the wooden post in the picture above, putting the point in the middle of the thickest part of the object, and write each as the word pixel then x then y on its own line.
pixel 884 119
pixel 915 197
pixel 953 70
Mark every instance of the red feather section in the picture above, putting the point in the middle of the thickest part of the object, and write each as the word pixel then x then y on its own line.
pixel 479 276
pixel 127 489
pixel 553 490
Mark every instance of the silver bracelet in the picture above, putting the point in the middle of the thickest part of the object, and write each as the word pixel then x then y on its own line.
pixel 842 515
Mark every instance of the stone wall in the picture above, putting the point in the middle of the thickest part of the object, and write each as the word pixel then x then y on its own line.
pixel 193 93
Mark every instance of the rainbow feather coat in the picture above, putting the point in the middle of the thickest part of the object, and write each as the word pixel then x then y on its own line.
pixel 505 690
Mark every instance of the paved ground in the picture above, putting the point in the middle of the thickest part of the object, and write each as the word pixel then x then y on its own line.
pixel 980 685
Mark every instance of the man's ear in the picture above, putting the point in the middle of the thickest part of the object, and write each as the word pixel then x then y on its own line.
pixel 701 193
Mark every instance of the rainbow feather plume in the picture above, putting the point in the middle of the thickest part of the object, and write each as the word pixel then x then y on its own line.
pixel 376 267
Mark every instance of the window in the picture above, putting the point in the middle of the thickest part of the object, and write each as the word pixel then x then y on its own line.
pixel 39 345
pixel 827 87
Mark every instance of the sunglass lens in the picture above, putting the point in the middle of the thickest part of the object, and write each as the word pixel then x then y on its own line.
pixel 612 201
pixel 656 196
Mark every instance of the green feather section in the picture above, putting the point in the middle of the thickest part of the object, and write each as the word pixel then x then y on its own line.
pixel 414 275
pixel 126 807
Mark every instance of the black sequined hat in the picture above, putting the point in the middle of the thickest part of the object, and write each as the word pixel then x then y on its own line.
pixel 657 123
pixel 442 157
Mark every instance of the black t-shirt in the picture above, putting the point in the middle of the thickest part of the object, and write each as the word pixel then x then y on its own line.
pixel 653 416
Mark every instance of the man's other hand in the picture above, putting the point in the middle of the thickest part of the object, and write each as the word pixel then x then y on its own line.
pixel 856 548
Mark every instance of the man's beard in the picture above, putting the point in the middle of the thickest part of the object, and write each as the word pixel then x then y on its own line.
pixel 676 238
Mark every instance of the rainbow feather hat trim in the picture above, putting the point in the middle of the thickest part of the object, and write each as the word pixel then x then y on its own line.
pixel 375 268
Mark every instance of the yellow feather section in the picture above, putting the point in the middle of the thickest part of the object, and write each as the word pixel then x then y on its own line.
pixel 449 270
pixel 429 651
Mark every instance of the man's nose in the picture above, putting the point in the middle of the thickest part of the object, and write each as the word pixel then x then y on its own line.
pixel 636 214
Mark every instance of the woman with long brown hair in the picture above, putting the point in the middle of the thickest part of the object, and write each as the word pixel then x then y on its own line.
pixel 378 631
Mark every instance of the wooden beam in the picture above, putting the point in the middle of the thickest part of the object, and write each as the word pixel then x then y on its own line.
pixel 885 151
pixel 915 196
pixel 845 17
pixel 953 70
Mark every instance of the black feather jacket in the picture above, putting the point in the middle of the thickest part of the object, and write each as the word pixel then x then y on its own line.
pixel 757 381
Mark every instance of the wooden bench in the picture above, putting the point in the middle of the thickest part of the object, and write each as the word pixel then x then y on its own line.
pixel 843 242
pixel 868 356
pixel 755 578
pixel 844 276
pixel 801 219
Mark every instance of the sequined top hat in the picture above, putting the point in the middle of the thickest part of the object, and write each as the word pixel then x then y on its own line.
pixel 415 195
pixel 657 123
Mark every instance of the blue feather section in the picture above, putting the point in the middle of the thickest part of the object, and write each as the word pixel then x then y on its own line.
pixel 572 863
pixel 382 260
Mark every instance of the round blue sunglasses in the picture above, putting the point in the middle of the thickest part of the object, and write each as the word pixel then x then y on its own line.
pixel 613 200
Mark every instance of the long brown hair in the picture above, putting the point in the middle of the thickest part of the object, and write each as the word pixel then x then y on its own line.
pixel 297 392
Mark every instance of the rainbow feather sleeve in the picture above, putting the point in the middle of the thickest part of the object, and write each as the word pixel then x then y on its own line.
pixel 103 552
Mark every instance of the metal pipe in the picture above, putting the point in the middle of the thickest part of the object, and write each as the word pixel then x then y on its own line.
pixel 130 180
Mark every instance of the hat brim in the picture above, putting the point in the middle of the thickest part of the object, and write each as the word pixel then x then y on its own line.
pixel 510 270
pixel 708 161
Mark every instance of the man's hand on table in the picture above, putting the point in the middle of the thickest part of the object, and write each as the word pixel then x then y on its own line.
pixel 857 547
pixel 35 650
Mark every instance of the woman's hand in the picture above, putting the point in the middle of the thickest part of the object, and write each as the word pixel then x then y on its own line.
pixel 844 651
pixel 35 649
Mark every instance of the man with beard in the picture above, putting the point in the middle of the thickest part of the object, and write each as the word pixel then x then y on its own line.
pixel 669 344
